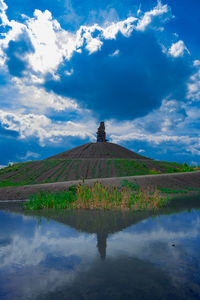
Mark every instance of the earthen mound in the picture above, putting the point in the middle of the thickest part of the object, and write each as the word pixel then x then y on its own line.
pixel 98 150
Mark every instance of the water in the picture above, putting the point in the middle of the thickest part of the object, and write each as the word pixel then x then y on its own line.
pixel 94 255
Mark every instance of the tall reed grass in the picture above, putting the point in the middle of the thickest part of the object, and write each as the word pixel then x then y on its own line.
pixel 98 197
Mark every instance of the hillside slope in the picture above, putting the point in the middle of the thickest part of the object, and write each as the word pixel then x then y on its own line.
pixel 93 160
pixel 99 150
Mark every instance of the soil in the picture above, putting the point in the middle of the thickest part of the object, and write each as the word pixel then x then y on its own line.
pixel 99 150
pixel 172 180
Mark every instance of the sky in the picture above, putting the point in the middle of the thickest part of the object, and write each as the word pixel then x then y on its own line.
pixel 66 65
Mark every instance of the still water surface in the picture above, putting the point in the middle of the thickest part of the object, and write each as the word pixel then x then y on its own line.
pixel 95 255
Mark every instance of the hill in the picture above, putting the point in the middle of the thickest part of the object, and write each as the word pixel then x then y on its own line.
pixel 99 150
pixel 92 160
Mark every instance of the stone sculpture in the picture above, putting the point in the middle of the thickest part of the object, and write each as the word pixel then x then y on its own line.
pixel 101 134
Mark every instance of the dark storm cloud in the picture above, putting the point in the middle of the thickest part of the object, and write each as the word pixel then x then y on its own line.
pixel 16 52
pixel 127 85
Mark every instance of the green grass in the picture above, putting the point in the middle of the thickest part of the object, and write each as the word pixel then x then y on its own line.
pixel 172 191
pixel 130 167
pixel 130 185
pixel 13 168
pixel 29 173
pixel 6 183
pixel 178 191
pixel 98 197
pixel 173 167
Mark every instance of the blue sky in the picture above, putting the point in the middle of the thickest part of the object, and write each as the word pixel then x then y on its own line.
pixel 66 65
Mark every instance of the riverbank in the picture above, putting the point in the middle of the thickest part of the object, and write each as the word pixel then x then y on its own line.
pixel 188 181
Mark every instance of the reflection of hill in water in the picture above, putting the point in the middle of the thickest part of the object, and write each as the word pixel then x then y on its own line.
pixel 104 223
pixel 99 222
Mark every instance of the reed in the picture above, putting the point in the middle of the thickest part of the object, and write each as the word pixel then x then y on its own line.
pixel 98 197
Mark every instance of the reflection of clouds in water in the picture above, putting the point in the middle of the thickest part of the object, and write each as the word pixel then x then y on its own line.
pixel 54 255
pixel 44 261
pixel 35 283
pixel 30 252
pixel 155 244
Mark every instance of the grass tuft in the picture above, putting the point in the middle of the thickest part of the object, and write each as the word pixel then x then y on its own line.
pixel 98 197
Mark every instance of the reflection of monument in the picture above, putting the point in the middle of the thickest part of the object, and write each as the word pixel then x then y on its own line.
pixel 101 134
pixel 102 223
pixel 101 243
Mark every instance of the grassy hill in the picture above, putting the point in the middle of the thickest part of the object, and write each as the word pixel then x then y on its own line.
pixel 93 160
pixel 55 170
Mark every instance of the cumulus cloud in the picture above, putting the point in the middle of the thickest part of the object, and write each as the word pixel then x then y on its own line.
pixel 178 49
pixel 38 100
pixel 123 86
pixel 172 125
pixel 17 52
pixel 194 84
pixel 117 70
pixel 3 8
pixel 49 40
pixel 45 129
pixel 159 14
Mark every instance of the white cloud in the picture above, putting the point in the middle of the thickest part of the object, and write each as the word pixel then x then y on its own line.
pixel 159 123
pixel 173 123
pixel 44 129
pixel 139 10
pixel 125 27
pixel 16 29
pixel 52 44
pixel 196 63
pixel 38 100
pixel 194 84
pixel 178 49
pixel 141 151
pixel 51 41
pixel 2 166
pixel 3 5
pixel 30 154
pixel 26 125
pixel 115 53
pixel 3 8
pixel 69 73
pixel 151 16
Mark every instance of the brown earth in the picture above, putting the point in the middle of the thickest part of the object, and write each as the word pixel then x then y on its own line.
pixel 99 150
pixel 56 170
pixel 173 181
pixel 92 160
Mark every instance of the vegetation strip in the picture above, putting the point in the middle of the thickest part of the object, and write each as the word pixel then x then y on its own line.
pixel 129 196
pixel 53 170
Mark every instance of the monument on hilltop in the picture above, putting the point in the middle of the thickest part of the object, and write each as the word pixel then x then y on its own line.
pixel 101 134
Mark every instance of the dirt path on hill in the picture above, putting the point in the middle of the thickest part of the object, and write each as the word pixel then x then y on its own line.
pixel 173 181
